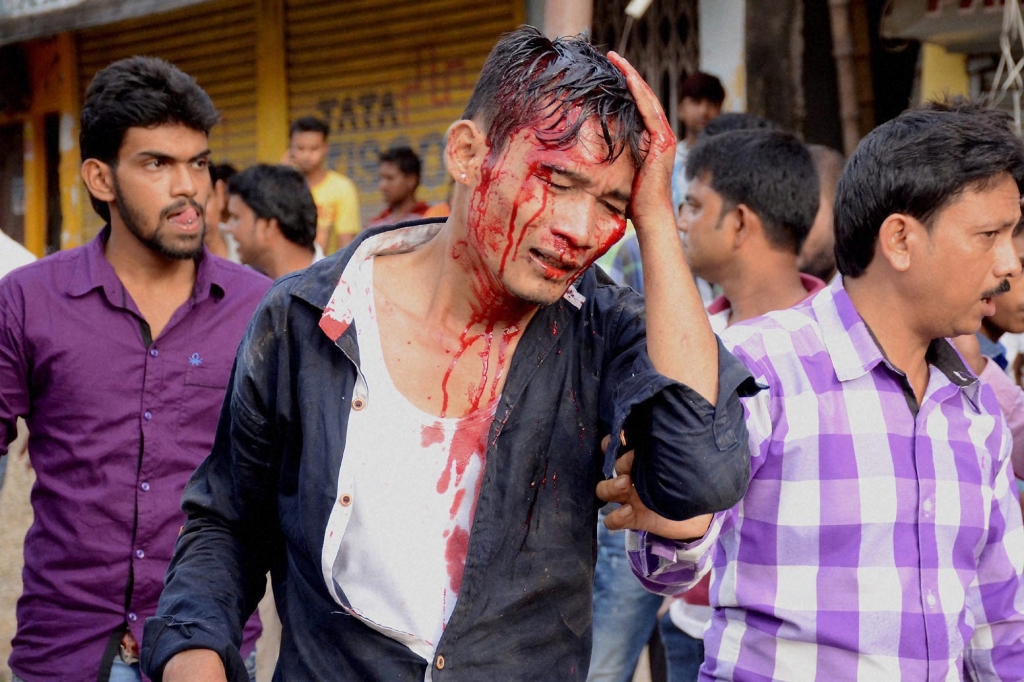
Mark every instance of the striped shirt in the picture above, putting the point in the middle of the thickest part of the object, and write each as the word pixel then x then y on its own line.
pixel 879 539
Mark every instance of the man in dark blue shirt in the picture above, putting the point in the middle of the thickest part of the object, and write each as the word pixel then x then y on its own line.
pixel 452 536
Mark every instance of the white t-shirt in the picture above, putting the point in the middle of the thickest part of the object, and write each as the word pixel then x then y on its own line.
pixel 412 480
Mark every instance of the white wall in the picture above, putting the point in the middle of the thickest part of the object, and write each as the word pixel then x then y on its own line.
pixel 723 47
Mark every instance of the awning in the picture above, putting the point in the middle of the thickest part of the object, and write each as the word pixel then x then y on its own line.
pixel 965 26
pixel 26 19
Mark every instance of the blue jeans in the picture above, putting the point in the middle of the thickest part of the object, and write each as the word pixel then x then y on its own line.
pixel 684 654
pixel 122 672
pixel 624 612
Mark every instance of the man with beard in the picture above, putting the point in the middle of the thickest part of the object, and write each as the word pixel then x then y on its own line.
pixel 117 354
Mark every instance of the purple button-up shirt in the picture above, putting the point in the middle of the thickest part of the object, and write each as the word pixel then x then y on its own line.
pixel 117 428
pixel 874 542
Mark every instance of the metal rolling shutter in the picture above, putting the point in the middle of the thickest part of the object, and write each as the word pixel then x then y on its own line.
pixel 214 42
pixel 387 74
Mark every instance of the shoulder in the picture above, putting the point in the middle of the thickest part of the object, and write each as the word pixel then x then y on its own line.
pixel 776 343
pixel 50 273
pixel 238 281
pixel 337 182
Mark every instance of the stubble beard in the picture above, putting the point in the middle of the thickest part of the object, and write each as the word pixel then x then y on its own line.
pixel 134 220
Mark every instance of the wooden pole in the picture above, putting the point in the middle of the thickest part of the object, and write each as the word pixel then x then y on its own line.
pixel 842 50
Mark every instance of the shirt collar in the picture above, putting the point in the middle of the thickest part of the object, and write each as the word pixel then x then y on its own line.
pixel 95 272
pixel 854 351
pixel 811 284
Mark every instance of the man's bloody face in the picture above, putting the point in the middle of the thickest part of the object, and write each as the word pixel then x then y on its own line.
pixel 308 150
pixel 541 215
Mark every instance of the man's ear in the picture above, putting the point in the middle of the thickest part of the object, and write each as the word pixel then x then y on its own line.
pixel 99 179
pixel 897 238
pixel 466 151
pixel 745 224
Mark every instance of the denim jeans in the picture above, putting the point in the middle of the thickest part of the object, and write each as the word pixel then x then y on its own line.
pixel 624 612
pixel 122 672
pixel 684 654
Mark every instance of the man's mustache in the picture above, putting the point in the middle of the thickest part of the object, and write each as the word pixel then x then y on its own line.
pixel 1003 288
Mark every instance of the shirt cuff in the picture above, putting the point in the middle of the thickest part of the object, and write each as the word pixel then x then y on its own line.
pixel 658 555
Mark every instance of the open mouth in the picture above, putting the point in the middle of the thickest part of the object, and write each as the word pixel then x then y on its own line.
pixel 187 218
pixel 552 265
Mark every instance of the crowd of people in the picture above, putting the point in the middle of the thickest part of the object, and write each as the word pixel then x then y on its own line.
pixel 792 406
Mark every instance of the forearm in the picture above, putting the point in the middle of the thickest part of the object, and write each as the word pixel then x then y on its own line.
pixel 680 342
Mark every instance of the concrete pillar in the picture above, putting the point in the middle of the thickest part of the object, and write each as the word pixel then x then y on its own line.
pixel 567 17
pixel 723 47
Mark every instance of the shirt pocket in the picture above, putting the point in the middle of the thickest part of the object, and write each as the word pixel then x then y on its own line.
pixel 202 398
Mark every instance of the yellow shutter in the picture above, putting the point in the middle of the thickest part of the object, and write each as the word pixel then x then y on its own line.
pixel 392 73
pixel 213 42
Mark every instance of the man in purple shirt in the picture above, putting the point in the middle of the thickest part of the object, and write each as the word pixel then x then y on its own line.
pixel 880 536
pixel 117 354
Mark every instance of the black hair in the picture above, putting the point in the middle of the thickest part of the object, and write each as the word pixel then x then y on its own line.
pixel 403 157
pixel 917 164
pixel 560 84
pixel 770 171
pixel 309 124
pixel 278 192
pixel 700 86
pixel 730 121
pixel 138 92
pixel 221 171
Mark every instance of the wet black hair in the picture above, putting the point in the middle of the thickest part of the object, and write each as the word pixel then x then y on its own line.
pixel 404 157
pixel 560 84
pixel 917 164
pixel 309 124
pixel 281 193
pixel 769 171
pixel 138 92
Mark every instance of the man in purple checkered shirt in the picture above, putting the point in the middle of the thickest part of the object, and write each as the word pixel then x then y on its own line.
pixel 880 538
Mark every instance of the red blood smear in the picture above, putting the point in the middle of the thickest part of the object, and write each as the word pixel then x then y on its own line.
pixel 460 495
pixel 455 555
pixel 332 327
pixel 469 441
pixel 431 434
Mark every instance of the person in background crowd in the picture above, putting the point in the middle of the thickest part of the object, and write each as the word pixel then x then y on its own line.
pixel 13 255
pixel 625 614
pixel 273 218
pixel 880 537
pixel 218 242
pixel 372 388
pixel 818 255
pixel 751 201
pixel 700 102
pixel 336 198
pixel 117 353
pixel 399 178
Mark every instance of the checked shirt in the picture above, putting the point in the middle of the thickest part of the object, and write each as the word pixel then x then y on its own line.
pixel 879 539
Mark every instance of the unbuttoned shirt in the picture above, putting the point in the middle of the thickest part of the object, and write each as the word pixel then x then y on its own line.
pixel 117 424
pixel 879 539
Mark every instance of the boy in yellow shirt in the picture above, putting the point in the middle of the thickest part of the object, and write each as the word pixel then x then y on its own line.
pixel 335 196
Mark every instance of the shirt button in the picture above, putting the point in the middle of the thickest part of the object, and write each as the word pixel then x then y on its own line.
pixel 139 553
pixel 145 486
pixel 440 662
pixel 931 599
pixel 927 505
pixel 154 352
pixel 358 404
pixel 132 617
pixel 346 500
pixel 148 415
